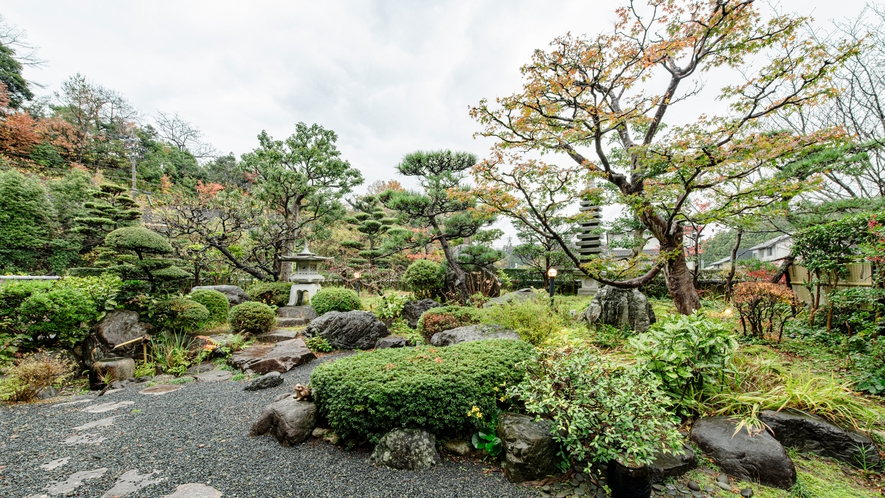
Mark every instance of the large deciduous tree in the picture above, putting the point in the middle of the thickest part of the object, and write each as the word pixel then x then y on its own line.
pixel 605 102
pixel 302 179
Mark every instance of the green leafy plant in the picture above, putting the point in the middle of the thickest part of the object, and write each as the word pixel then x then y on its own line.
pixel 446 318
pixel 390 307
pixel 533 319
pixel 215 302
pixel 485 439
pixel 424 277
pixel 252 318
pixel 270 293
pixel 181 315
pixel 145 369
pixel 59 315
pixel 870 367
pixel 857 309
pixel 172 352
pixel 368 394
pixel 335 299
pixel 318 344
pixel 602 410
pixel 686 353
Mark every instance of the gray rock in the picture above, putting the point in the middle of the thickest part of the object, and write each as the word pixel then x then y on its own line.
pixel 198 369
pixel 529 448
pixel 348 330
pixel 519 295
pixel 111 369
pixel 669 465
pixel 620 308
pixel 795 429
pixel 391 341
pixel 295 316
pixel 406 449
pixel 266 381
pixel 413 310
pixel 214 376
pixel 458 447
pixel 234 294
pixel 117 327
pixel 472 333
pixel 277 336
pixel 279 357
pixel 759 458
pixel 288 420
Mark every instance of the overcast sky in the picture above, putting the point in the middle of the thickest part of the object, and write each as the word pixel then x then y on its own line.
pixel 389 77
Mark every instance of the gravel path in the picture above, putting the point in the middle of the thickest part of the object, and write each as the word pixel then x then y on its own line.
pixel 148 446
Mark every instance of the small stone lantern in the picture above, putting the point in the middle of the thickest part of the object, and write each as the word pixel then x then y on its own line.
pixel 305 278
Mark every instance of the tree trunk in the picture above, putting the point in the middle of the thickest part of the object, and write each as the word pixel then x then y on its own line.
pixel 729 280
pixel 782 270
pixel 679 283
pixel 460 275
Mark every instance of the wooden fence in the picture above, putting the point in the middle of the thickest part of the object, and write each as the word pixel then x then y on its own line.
pixel 859 275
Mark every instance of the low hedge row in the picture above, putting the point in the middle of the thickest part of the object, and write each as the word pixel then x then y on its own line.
pixel 367 395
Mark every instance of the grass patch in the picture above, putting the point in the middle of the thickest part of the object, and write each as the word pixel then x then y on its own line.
pixel 181 380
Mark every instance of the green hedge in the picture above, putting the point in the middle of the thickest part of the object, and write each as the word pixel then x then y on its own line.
pixel 214 301
pixel 335 299
pixel 252 317
pixel 367 395
pixel 270 293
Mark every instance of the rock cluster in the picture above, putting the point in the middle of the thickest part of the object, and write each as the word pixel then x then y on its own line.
pixel 620 308
pixel 348 330
pixel 472 333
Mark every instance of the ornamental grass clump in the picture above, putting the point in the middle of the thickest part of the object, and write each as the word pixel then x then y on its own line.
pixel 602 410
pixel 533 319
pixel 436 389
pixel 32 374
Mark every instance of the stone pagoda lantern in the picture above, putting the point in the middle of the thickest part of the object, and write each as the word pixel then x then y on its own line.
pixel 305 278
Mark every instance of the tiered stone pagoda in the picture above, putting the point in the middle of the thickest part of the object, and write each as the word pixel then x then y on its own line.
pixel 589 246
pixel 305 276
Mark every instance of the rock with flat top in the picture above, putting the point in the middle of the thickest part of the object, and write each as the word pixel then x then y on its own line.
pixel 807 433
pixel 472 333
pixel 279 357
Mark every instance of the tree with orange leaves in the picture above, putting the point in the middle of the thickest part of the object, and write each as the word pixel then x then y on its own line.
pixel 605 103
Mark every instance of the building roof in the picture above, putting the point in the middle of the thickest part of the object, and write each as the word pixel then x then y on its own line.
pixel 771 242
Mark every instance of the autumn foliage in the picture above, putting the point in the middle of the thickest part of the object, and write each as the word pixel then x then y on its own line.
pixel 764 307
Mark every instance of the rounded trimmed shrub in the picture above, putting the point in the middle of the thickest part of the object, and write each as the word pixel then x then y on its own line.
pixel 183 315
pixel 366 395
pixel 335 299
pixel 252 317
pixel 214 301
pixel 270 293
pixel 447 318
pixel 58 313
pixel 424 278
pixel 139 239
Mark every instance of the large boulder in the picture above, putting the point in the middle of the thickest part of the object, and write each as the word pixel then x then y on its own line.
pixel 758 457
pixel 529 448
pixel 277 357
pixel 406 449
pixel 472 333
pixel 234 294
pixel 620 308
pixel 795 429
pixel 266 381
pixel 348 330
pixel 672 465
pixel 288 420
pixel 413 310
pixel 116 328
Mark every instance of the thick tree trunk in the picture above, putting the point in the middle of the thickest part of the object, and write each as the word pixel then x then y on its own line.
pixel 729 280
pixel 681 285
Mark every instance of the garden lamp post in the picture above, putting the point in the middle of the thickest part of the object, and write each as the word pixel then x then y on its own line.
pixel 551 275
pixel 356 275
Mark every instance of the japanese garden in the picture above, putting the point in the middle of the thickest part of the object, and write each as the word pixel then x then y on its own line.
pixel 664 276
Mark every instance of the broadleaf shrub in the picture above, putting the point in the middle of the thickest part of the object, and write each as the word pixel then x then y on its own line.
pixel 424 277
pixel 252 317
pixel 270 293
pixel 446 318
pixel 318 344
pixel 59 315
pixel 182 315
pixel 602 410
pixel 764 305
pixel 686 354
pixel 857 309
pixel 215 302
pixel 335 299
pixel 366 395
pixel 871 368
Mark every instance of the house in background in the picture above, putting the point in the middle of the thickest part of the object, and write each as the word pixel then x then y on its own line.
pixel 773 250
pixel 725 263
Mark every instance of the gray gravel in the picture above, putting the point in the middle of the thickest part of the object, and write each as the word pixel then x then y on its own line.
pixel 198 435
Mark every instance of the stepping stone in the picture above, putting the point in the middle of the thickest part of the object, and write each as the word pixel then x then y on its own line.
pixel 106 407
pixel 161 389
pixel 278 336
pixel 280 357
pixel 214 376
pixel 55 463
pixel 74 481
pixel 75 402
pixel 194 491
pixel 131 482
pixel 105 422
pixel 84 439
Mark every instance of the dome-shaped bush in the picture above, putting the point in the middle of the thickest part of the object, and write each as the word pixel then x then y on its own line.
pixel 335 299
pixel 215 302
pixel 424 277
pixel 252 317
pixel 270 293
pixel 183 315
pixel 138 239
